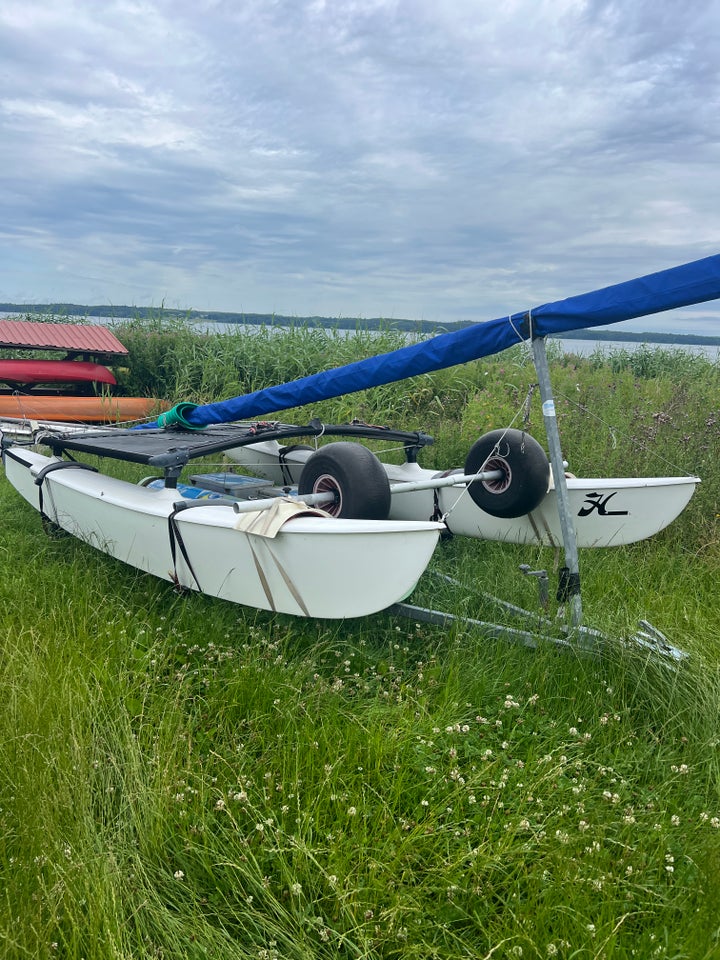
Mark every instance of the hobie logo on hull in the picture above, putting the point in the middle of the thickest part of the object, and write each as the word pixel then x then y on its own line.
pixel 596 501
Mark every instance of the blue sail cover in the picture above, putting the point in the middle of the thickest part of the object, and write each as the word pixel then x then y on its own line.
pixel 680 286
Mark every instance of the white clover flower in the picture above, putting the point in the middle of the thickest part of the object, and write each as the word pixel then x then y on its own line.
pixel 179 875
pixel 296 889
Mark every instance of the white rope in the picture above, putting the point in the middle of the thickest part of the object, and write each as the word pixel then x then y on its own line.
pixel 523 340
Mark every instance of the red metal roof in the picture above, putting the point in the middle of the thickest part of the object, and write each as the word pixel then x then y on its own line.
pixel 84 338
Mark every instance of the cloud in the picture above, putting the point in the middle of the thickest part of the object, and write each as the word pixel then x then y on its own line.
pixel 354 158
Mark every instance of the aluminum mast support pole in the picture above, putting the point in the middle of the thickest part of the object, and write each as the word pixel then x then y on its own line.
pixel 566 521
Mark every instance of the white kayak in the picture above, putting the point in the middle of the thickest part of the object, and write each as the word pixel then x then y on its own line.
pixel 314 566
pixel 607 512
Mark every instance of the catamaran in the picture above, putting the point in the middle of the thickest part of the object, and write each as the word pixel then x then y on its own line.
pixel 374 538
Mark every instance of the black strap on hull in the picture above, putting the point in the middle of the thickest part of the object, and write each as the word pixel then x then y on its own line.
pixel 40 480
pixel 176 540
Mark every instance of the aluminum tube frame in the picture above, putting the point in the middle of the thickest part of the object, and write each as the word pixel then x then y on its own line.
pixel 567 524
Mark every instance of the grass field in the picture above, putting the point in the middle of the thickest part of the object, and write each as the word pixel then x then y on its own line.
pixel 183 778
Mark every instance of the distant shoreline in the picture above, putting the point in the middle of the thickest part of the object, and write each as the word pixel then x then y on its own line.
pixel 126 312
pixel 628 336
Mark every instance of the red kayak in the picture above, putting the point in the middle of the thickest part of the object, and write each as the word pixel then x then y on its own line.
pixel 26 373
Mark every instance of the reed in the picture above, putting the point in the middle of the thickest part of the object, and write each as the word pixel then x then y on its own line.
pixel 184 779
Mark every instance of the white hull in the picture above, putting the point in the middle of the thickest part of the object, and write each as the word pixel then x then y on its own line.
pixel 607 512
pixel 315 566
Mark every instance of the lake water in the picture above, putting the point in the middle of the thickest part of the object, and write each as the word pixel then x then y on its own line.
pixel 584 348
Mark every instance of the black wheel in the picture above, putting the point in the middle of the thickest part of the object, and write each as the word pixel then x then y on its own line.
pixel 525 473
pixel 356 477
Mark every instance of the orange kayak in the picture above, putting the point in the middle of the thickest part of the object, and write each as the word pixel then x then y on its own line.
pixel 80 409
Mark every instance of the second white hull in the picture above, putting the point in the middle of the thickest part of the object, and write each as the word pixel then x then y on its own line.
pixel 606 512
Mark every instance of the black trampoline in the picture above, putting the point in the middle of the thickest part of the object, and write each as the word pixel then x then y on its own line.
pixel 170 448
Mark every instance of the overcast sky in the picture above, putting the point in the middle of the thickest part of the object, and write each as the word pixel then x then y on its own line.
pixel 428 159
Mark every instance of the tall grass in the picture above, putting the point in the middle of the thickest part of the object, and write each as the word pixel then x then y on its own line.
pixel 183 778
pixel 169 356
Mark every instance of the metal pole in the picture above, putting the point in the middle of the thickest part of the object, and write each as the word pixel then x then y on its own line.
pixel 437 483
pixel 566 521
pixel 254 506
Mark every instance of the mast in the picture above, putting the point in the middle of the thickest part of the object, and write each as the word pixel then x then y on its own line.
pixel 569 584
